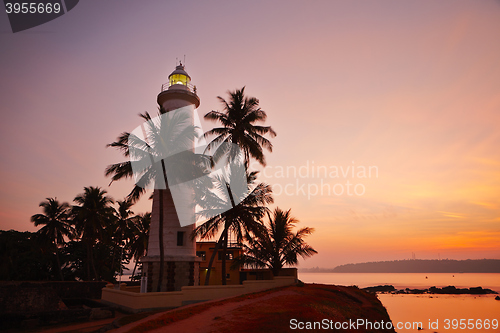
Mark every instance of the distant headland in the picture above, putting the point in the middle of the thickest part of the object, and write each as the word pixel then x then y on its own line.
pixel 416 266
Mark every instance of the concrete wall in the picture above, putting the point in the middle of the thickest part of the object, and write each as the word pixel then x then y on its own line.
pixel 136 302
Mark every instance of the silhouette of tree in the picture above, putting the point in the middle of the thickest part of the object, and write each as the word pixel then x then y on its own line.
pixel 238 127
pixel 56 226
pixel 139 243
pixel 235 208
pixel 123 229
pixel 93 216
pixel 74 255
pixel 22 259
pixel 276 245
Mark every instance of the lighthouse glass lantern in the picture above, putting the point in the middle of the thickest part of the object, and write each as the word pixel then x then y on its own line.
pixel 179 76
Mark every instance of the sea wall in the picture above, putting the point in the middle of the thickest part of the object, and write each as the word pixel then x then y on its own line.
pixel 136 302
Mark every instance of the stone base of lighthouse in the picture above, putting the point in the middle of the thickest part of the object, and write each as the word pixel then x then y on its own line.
pixel 176 273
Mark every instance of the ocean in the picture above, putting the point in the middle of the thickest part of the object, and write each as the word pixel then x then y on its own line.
pixel 432 313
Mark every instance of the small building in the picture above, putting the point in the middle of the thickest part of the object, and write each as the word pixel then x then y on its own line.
pixel 204 251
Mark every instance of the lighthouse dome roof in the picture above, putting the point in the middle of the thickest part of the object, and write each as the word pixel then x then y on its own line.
pixel 179 69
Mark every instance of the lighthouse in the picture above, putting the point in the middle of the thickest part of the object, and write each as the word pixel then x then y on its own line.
pixel 180 266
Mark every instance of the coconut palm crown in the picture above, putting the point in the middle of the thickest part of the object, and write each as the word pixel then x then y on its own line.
pixel 238 119
pixel 277 245
pixel 56 225
pixel 236 206
pixel 93 216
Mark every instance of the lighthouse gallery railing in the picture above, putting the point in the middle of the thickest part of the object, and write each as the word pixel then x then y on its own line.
pixel 191 88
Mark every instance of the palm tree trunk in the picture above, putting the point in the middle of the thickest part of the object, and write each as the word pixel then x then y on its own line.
pixel 59 264
pixel 224 251
pixel 115 249
pixel 224 234
pixel 277 265
pixel 135 266
pixel 93 263
pixel 113 260
pixel 88 261
pixel 210 263
pixel 160 235
pixel 276 269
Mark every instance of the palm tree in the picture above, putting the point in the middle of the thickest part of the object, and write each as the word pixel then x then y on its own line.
pixel 138 245
pixel 93 215
pixel 234 208
pixel 56 225
pixel 151 160
pixel 277 245
pixel 123 227
pixel 238 127
pixel 238 134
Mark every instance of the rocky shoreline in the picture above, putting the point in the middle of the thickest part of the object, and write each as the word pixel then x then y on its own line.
pixel 449 290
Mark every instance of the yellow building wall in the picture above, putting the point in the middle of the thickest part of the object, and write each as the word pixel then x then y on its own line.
pixel 216 273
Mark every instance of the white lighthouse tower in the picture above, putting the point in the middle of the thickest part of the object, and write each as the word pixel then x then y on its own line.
pixel 181 266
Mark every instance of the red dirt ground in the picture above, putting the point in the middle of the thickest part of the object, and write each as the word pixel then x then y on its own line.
pixel 269 311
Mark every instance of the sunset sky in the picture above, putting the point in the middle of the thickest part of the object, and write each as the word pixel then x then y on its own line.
pixel 409 88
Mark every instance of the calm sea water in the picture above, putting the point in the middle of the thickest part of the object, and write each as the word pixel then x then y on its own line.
pixel 433 313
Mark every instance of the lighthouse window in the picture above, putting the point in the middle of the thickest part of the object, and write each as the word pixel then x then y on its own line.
pixel 180 238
